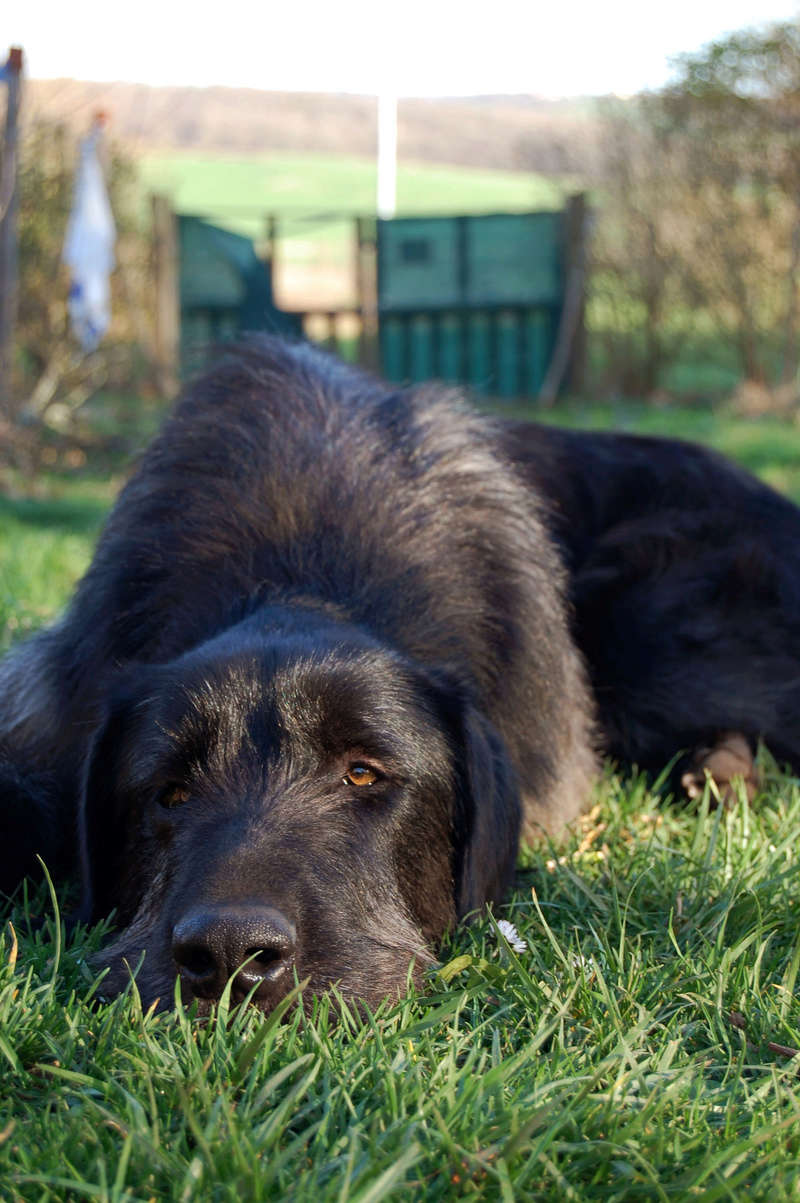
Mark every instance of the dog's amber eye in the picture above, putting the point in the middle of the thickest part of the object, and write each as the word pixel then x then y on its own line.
pixel 172 796
pixel 360 774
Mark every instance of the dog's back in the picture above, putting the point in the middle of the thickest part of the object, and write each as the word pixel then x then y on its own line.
pixel 684 573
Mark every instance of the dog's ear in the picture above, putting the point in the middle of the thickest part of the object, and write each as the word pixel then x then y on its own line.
pixel 101 813
pixel 488 818
pixel 35 821
pixel 488 810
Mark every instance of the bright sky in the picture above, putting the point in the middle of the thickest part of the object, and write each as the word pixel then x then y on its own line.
pixel 416 47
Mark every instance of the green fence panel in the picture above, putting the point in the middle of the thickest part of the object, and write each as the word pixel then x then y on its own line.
pixel 418 263
pixel 225 290
pixel 513 259
pixel 539 339
pixel 393 355
pixel 479 352
pixel 451 344
pixel 507 360
pixel 421 348
pixel 473 300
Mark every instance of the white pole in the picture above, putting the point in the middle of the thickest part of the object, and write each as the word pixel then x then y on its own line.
pixel 387 154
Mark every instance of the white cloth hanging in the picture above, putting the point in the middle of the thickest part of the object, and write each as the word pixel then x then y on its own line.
pixel 89 248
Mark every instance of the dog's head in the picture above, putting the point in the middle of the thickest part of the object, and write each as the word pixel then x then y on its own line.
pixel 300 804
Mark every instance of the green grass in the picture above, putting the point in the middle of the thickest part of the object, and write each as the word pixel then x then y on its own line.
pixel 45 545
pixel 638 1049
pixel 603 1062
pixel 313 184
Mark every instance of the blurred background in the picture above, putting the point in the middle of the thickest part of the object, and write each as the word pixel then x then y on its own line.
pixel 586 215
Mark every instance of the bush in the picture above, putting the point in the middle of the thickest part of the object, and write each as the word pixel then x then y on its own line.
pixel 700 227
pixel 52 376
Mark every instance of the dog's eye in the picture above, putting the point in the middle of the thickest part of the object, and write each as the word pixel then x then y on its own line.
pixel 360 775
pixel 172 796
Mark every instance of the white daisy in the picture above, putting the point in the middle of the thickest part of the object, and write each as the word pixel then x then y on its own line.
pixel 512 936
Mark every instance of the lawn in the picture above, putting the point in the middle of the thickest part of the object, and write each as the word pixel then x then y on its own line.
pixel 313 185
pixel 45 546
pixel 639 1048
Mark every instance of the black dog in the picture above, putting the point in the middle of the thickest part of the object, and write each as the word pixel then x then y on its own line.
pixel 322 673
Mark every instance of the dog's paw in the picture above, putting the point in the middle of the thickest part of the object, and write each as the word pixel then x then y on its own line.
pixel 729 762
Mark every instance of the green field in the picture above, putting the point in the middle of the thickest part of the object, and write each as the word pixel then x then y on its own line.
pixel 45 545
pixel 639 1048
pixel 244 190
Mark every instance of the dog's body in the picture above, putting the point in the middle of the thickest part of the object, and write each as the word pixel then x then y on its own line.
pixel 322 672
pixel 684 576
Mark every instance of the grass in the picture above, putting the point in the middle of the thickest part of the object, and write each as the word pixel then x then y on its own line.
pixel 639 1048
pixel 46 544
pixel 283 182
pixel 605 1061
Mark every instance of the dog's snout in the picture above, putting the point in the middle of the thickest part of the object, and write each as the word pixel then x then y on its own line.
pixel 256 943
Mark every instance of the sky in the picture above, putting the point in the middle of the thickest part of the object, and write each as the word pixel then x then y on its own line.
pixel 413 48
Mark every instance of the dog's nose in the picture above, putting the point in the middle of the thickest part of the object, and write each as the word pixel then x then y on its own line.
pixel 210 943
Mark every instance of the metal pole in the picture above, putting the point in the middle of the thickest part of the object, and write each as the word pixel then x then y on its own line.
pixel 387 154
pixel 9 204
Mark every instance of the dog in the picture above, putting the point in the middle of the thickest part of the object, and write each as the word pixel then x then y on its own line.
pixel 342 646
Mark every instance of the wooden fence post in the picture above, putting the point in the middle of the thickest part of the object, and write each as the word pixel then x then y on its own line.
pixel 366 269
pixel 270 256
pixel 568 360
pixel 272 237
pixel 9 204
pixel 578 219
pixel 167 307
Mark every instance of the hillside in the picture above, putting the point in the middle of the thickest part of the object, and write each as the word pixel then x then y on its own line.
pixel 510 133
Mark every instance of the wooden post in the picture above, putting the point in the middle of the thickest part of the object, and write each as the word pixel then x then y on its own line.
pixel 568 359
pixel 9 204
pixel 167 307
pixel 270 236
pixel 331 341
pixel 358 271
pixel 577 220
pixel 367 290
pixel 270 258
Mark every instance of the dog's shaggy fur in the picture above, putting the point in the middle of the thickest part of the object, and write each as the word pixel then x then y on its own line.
pixel 323 672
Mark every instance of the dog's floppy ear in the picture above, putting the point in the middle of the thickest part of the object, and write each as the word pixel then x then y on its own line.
pixel 35 821
pixel 488 818
pixel 488 810
pixel 102 814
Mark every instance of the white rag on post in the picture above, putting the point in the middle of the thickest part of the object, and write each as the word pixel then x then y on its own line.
pixel 89 248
